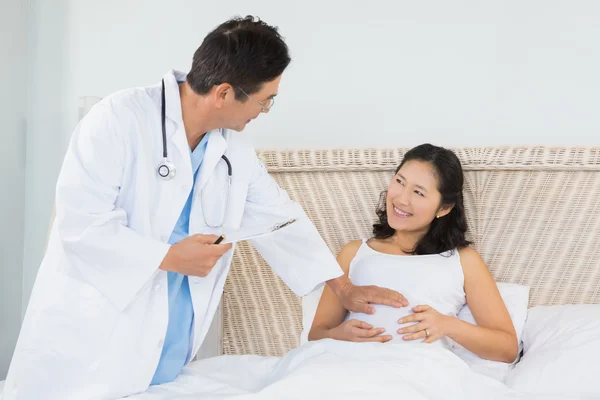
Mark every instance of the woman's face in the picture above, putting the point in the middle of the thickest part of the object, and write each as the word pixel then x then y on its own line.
pixel 413 200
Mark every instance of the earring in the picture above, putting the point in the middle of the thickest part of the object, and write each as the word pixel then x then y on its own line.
pixel 437 216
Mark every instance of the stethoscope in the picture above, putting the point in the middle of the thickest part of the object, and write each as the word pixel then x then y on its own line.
pixel 166 169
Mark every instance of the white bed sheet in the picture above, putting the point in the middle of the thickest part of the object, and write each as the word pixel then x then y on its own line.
pixel 332 369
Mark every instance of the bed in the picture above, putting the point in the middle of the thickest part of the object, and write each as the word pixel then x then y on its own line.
pixel 534 215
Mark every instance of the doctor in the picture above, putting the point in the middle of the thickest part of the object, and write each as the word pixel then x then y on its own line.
pixel 132 278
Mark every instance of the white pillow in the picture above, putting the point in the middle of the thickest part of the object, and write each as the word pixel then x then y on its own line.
pixel 516 300
pixel 561 352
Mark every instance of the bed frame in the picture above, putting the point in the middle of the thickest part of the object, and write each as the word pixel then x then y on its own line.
pixel 533 214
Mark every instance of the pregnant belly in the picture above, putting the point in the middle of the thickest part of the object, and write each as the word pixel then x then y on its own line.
pixel 387 317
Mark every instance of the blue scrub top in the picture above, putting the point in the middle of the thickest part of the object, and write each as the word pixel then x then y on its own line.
pixel 178 341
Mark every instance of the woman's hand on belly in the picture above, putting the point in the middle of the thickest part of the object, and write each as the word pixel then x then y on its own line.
pixel 430 324
pixel 358 331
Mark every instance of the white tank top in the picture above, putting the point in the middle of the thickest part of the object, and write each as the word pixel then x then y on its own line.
pixel 436 280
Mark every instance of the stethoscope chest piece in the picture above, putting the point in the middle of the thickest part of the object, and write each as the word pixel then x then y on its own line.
pixel 166 170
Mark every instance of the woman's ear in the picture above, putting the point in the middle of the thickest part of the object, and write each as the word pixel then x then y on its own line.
pixel 444 210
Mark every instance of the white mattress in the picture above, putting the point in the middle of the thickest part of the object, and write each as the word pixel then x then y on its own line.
pixel 333 369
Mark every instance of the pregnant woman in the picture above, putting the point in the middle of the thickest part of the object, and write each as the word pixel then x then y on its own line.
pixel 419 249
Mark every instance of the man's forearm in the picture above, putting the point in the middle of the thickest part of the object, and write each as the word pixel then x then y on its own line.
pixel 338 284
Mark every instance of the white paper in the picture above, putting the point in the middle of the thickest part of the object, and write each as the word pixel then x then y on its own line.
pixel 253 232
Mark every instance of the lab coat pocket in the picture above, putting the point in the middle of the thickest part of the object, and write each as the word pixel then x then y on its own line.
pixel 239 189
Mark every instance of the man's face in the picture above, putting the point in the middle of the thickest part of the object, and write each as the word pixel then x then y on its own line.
pixel 238 113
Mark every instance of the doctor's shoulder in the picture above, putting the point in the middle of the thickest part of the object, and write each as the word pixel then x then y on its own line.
pixel 110 134
pixel 135 104
pixel 120 106
pixel 119 115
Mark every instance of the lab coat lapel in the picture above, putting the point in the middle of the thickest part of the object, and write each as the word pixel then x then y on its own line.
pixel 175 121
pixel 215 148
pixel 179 139
pixel 174 193
pixel 205 289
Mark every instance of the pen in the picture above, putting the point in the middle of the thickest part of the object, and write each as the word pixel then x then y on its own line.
pixel 220 239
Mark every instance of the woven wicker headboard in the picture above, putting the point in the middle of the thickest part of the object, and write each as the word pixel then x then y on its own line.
pixel 533 213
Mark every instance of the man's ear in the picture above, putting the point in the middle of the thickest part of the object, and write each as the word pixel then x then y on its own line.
pixel 221 93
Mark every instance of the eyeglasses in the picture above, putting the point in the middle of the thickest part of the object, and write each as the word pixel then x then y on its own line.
pixel 265 108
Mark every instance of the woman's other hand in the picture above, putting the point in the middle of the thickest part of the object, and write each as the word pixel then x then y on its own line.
pixel 358 331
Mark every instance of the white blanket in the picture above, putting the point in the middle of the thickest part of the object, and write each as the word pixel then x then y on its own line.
pixel 330 369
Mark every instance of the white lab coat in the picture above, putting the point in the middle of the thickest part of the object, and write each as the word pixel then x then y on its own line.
pixel 97 317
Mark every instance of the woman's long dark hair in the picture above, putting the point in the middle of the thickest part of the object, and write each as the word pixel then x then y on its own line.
pixel 445 233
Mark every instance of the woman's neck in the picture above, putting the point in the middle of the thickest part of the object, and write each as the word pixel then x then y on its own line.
pixel 406 241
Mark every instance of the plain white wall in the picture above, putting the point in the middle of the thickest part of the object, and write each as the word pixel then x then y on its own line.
pixel 380 73
pixel 376 74
pixel 13 81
